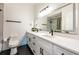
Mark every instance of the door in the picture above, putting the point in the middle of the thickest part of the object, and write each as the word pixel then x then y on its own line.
pixel 1 25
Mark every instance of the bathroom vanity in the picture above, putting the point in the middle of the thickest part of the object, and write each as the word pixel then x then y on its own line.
pixel 45 44
pixel 65 40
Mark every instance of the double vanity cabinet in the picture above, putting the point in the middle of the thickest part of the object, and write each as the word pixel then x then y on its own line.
pixel 41 46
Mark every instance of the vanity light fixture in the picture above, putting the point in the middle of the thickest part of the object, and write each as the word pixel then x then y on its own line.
pixel 45 11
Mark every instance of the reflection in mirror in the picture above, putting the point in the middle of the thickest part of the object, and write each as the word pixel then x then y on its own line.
pixel 54 23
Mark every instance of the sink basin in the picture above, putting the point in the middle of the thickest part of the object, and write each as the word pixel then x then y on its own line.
pixel 49 36
pixel 45 34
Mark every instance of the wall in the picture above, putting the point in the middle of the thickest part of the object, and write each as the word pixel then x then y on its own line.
pixel 77 18
pixel 18 11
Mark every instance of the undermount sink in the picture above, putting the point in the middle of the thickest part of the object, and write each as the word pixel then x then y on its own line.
pixel 47 36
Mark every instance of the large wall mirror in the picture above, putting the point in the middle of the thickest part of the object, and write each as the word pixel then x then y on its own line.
pixel 60 20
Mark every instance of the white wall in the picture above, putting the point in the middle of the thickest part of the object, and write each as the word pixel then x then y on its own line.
pixel 22 12
pixel 77 18
pixel 18 11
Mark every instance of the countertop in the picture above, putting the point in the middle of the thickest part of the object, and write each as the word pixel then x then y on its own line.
pixel 67 41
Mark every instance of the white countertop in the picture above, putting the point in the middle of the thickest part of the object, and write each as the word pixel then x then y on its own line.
pixel 68 41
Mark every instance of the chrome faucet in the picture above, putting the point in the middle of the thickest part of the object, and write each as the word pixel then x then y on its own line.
pixel 51 32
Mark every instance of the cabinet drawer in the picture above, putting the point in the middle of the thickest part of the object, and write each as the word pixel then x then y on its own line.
pixel 47 49
pixel 60 51
pixel 44 42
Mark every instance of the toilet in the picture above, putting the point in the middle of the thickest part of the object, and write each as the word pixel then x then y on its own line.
pixel 13 43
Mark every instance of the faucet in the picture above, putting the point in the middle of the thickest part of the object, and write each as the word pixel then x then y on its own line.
pixel 51 32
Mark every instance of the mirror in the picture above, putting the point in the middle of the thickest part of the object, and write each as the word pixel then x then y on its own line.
pixel 60 20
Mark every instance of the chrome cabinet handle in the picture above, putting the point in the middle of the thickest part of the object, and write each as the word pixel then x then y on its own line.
pixel 0 9
pixel 62 53
pixel 34 51
pixel 33 43
pixel 29 39
pixel 41 51
pixel 34 38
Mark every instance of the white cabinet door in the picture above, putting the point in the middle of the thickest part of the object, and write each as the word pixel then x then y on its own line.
pixel 45 47
pixel 68 17
pixel 44 51
pixel 29 40
pixel 60 51
pixel 32 42
pixel 35 45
